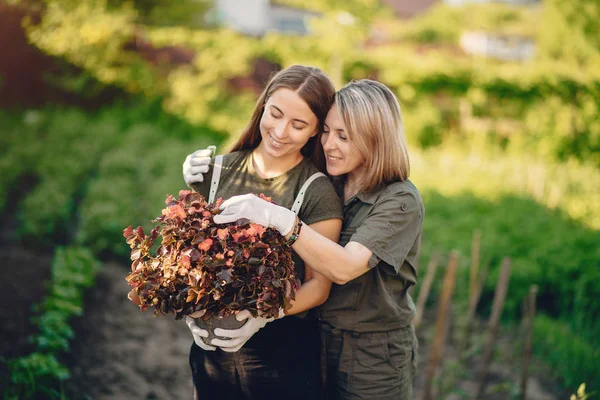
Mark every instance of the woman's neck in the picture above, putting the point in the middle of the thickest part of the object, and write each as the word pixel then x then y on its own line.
pixel 267 166
pixel 352 181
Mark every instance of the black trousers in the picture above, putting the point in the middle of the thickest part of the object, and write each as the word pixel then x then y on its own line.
pixel 283 362
pixel 372 365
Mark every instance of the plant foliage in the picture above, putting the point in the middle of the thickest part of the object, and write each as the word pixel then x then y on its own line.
pixel 200 265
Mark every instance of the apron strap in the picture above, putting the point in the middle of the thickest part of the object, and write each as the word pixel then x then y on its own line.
pixel 216 177
pixel 300 197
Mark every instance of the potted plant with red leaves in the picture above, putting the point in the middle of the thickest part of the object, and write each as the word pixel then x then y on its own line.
pixel 199 265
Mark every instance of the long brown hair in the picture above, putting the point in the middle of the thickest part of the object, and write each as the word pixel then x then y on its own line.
pixel 373 121
pixel 314 87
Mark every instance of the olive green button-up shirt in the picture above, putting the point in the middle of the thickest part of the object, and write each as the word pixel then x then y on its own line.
pixel 388 222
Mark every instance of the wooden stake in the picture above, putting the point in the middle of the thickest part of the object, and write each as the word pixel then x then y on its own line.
pixel 437 349
pixel 426 287
pixel 464 345
pixel 497 306
pixel 528 325
pixel 473 277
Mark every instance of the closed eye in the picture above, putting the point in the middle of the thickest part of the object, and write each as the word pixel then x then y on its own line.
pixel 298 126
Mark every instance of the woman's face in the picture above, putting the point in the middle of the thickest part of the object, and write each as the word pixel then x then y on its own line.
pixel 341 154
pixel 286 124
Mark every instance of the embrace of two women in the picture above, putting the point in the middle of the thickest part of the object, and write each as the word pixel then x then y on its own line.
pixel 336 164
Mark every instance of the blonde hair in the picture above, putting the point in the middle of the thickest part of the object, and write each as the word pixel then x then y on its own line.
pixel 314 87
pixel 373 122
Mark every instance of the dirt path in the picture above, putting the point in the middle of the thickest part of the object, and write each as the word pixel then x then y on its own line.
pixel 122 353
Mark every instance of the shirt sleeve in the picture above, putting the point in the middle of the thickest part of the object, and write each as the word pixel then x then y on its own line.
pixel 392 229
pixel 321 202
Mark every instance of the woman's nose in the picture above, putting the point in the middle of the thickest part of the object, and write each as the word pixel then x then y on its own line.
pixel 280 129
pixel 328 142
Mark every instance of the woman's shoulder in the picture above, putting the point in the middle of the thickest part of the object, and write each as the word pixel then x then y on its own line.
pixel 402 187
pixel 321 201
pixel 405 192
pixel 320 181
pixel 235 156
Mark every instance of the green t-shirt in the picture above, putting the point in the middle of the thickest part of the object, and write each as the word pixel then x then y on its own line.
pixel 238 176
pixel 387 221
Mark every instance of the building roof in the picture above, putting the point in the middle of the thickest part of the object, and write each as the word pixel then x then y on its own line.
pixel 409 8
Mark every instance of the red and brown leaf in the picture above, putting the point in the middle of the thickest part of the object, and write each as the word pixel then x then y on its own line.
pixel 200 265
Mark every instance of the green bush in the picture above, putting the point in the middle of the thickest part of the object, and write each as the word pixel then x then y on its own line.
pixel 573 358
pixel 546 248
pixel 64 149
pixel 131 186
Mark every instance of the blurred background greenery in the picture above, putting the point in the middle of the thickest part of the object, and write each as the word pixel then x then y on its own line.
pixel 100 101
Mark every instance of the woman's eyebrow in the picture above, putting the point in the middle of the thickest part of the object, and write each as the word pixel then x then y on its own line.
pixel 295 119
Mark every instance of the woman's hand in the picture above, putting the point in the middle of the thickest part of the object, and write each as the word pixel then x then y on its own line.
pixel 236 338
pixel 256 210
pixel 198 333
pixel 197 164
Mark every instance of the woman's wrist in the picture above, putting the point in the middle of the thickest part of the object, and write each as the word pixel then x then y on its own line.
pixel 293 235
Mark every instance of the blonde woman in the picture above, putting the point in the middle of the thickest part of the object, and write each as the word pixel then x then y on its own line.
pixel 367 337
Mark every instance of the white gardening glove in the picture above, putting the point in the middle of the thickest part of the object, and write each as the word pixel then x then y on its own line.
pixel 197 332
pixel 256 210
pixel 236 338
pixel 197 164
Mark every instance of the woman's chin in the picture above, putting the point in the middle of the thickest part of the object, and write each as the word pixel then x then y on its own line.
pixel 332 171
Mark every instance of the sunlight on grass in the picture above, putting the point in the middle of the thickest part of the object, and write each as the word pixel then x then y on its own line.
pixel 570 187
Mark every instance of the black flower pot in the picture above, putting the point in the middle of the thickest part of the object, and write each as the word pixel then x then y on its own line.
pixel 228 322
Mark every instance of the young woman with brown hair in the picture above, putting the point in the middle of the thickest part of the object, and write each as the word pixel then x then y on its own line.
pixel 277 154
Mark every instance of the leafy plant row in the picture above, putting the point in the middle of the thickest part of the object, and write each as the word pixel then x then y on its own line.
pixel 37 374
pixel 92 168
pixel 573 358
pixel 65 149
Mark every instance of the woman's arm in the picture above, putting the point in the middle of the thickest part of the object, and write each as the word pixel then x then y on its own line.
pixel 336 263
pixel 397 216
pixel 315 289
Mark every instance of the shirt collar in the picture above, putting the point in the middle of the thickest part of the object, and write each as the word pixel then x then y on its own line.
pixel 370 197
pixel 365 197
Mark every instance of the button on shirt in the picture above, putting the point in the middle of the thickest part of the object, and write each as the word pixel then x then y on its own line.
pixel 387 221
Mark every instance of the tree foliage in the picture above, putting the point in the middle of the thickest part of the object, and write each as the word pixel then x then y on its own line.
pixel 570 31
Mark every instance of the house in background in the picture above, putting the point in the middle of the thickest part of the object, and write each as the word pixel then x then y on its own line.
pixel 498 46
pixel 258 17
pixel 409 8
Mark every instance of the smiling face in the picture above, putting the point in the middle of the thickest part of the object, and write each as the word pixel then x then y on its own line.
pixel 341 154
pixel 286 124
